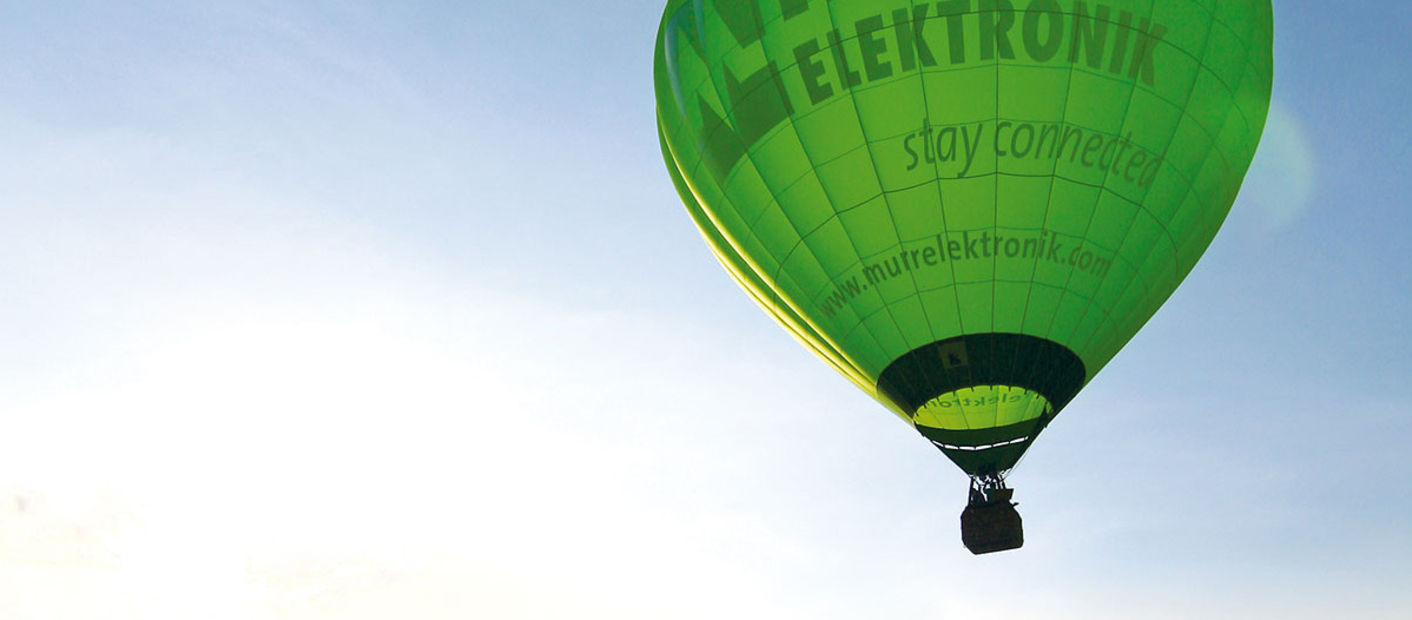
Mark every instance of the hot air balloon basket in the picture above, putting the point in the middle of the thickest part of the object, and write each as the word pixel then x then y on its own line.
pixel 992 526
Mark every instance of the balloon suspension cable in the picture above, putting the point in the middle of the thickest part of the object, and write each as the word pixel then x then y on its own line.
pixel 989 487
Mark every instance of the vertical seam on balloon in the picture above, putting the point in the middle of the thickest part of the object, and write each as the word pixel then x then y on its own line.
pixel 1068 280
pixel 1211 226
pixel 813 170
pixel 941 211
pixel 1176 273
pixel 1049 331
pixel 813 165
pixel 1144 305
pixel 728 256
pixel 777 297
pixel 1040 421
pixel 1049 202
pixel 868 144
pixel 995 194
pixel 861 322
pixel 926 112
pixel 941 208
pixel 1108 318
pixel 1068 86
pixel 862 130
pixel 1054 175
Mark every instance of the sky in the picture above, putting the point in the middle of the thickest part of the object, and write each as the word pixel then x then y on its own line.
pixel 358 310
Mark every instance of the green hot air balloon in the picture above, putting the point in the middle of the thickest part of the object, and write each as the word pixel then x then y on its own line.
pixel 966 207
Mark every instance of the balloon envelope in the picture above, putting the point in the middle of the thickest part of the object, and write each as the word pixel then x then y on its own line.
pixel 965 207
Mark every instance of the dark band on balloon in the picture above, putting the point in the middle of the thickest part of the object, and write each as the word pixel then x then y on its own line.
pixel 1039 365
pixel 1042 366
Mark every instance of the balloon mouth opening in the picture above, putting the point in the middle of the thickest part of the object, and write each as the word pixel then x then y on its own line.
pixel 982 407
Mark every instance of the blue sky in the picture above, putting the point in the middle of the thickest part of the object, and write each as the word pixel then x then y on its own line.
pixel 339 310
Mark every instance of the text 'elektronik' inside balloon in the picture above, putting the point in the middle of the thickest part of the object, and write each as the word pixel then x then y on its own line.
pixel 966 207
